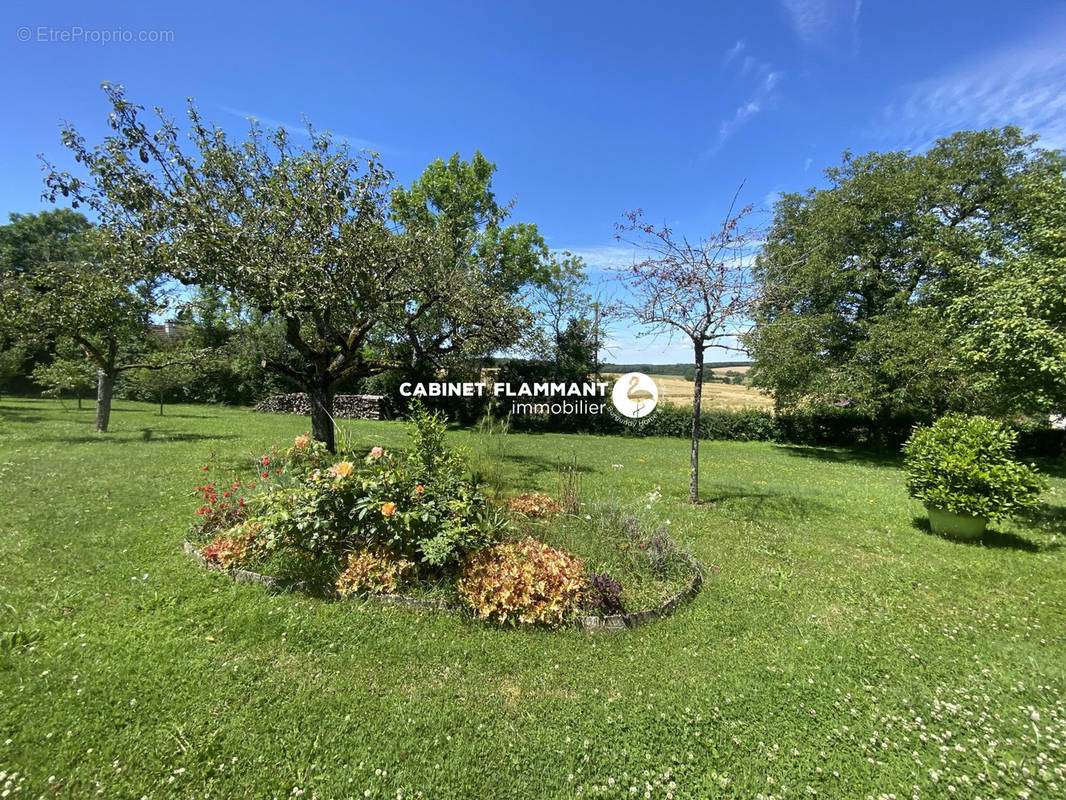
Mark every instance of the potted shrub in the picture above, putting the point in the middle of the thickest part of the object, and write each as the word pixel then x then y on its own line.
pixel 963 469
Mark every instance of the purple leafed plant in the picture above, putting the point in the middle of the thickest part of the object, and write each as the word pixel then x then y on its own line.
pixel 604 595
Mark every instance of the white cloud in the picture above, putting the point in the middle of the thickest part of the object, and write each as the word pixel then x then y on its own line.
pixel 825 23
pixel 1023 85
pixel 605 258
pixel 733 52
pixel 764 79
pixel 740 116
pixel 300 129
pixel 807 164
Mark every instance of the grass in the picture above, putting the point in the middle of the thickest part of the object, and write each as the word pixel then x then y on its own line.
pixel 842 650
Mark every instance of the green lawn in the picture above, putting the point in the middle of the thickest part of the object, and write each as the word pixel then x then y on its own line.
pixel 841 651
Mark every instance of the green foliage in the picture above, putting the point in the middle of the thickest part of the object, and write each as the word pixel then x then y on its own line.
pixel 363 277
pixel 1010 319
pixel 423 506
pixel 966 465
pixel 851 271
pixel 164 372
pixel 575 351
pixel 11 363
pixel 94 287
pixel 491 467
pixel 75 375
pixel 418 505
pixel 31 241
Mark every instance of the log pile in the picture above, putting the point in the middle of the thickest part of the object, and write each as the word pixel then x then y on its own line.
pixel 345 406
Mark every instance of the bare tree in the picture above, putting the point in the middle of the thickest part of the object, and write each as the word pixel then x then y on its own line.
pixel 703 289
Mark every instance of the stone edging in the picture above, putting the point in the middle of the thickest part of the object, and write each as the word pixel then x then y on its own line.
pixel 632 619
pixel 587 623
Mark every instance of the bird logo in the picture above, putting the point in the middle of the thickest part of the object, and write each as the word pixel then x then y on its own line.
pixel 635 395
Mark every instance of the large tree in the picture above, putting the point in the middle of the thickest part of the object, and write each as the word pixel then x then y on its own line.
pixel 64 280
pixel 297 234
pixel 465 299
pixel 1009 317
pixel 858 276
pixel 702 289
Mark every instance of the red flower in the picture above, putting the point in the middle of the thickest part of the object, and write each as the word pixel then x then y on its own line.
pixel 278 470
pixel 225 494
pixel 205 468
pixel 264 474
pixel 266 461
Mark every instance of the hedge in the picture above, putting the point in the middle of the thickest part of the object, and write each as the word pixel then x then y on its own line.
pixel 833 428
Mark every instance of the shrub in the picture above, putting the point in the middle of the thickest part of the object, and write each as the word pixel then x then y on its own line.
pixel 418 505
pixel 533 504
pixel 661 550
pixel 234 546
pixel 373 571
pixel 221 507
pixel 966 465
pixel 524 582
pixel 603 595
pixel 305 456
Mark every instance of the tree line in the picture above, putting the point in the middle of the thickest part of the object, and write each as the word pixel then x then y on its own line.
pixel 911 284
pixel 353 274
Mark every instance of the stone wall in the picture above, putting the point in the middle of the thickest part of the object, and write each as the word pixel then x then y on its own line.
pixel 345 406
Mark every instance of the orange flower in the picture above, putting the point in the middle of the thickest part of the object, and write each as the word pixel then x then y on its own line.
pixel 388 509
pixel 343 469
pixel 302 441
pixel 419 489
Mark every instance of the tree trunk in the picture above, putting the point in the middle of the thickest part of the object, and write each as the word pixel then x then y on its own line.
pixel 697 399
pixel 321 395
pixel 105 387
pixel 79 399
pixel 160 402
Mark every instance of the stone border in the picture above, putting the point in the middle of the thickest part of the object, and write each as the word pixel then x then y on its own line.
pixel 633 619
pixel 588 623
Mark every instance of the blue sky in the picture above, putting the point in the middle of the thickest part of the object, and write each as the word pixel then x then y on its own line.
pixel 588 108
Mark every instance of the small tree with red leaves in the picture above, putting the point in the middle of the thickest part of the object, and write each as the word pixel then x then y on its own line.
pixel 703 289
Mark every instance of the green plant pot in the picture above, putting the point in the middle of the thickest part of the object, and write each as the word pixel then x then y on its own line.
pixel 956 526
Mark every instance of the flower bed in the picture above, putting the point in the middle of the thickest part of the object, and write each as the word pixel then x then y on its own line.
pixel 589 622
pixel 412 528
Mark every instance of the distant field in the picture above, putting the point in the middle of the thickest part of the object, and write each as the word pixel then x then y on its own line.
pixel 677 391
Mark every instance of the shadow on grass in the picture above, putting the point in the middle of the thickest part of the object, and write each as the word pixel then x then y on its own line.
pixel 764 506
pixel 155 413
pixel 145 435
pixel 843 455
pixel 1050 519
pixel 528 470
pixel 1052 467
pixel 17 414
pixel 999 540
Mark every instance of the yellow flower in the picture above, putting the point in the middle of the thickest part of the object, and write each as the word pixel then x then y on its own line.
pixel 388 509
pixel 343 469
